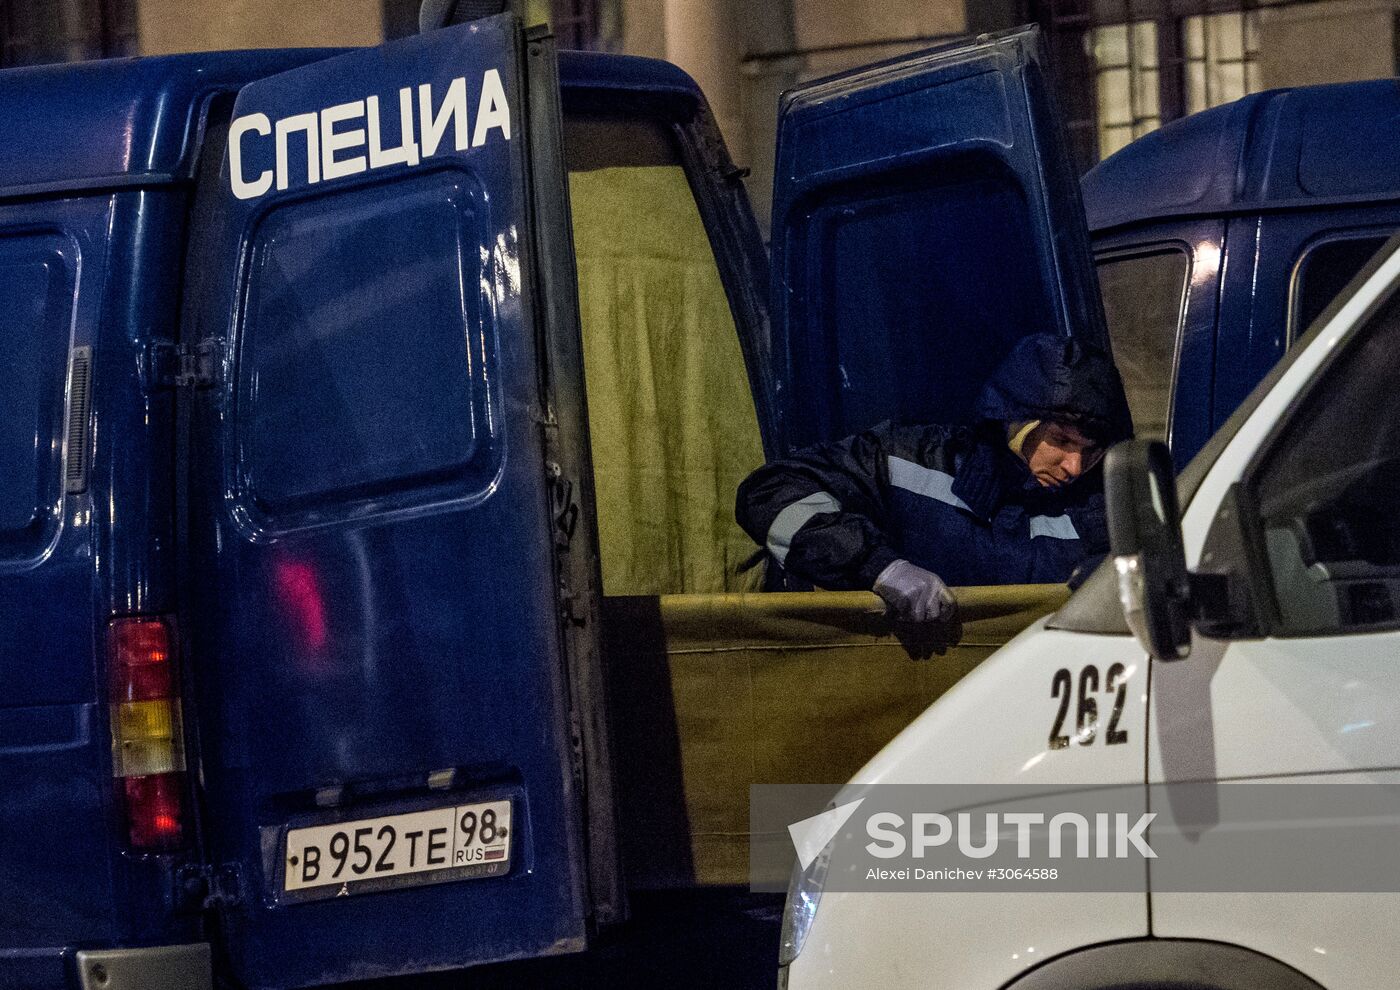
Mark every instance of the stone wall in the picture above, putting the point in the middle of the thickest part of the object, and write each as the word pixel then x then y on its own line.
pixel 745 53
pixel 1338 41
pixel 166 26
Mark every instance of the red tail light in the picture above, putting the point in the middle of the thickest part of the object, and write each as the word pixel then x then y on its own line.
pixel 147 747
pixel 155 811
pixel 141 660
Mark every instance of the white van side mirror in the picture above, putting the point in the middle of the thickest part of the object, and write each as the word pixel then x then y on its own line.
pixel 1144 531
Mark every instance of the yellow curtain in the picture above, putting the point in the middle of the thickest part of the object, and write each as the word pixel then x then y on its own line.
pixel 712 694
pixel 671 415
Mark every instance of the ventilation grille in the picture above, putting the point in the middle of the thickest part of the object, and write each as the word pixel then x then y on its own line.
pixel 79 407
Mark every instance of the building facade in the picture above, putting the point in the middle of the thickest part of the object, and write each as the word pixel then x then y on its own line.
pixel 1123 67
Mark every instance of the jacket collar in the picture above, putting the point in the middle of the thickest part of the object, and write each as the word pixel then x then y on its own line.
pixel 989 475
pixel 980 480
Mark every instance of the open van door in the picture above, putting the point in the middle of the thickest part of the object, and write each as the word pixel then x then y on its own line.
pixel 391 774
pixel 925 217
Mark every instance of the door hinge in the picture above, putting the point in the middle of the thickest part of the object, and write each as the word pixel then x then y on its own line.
pixel 168 365
pixel 565 509
pixel 205 888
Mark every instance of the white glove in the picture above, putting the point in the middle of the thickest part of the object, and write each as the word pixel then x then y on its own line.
pixel 915 594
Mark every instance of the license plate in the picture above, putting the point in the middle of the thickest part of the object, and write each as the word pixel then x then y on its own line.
pixel 457 843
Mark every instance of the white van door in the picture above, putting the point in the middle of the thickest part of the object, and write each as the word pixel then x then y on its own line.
pixel 1299 507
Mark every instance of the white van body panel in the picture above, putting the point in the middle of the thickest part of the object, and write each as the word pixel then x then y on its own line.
pixel 1277 707
pixel 992 727
pixel 1283 711
pixel 1343 941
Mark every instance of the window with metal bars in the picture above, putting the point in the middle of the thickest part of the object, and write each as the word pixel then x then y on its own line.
pixel 1125 67
pixel 33 32
pixel 575 23
pixel 1127 87
pixel 1221 58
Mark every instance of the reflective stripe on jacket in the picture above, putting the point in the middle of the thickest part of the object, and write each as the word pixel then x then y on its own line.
pixel 951 500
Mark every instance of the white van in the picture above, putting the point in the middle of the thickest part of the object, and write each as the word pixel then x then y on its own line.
pixel 1275 656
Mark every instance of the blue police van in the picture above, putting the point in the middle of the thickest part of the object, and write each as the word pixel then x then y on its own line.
pixel 310 517
pixel 1220 237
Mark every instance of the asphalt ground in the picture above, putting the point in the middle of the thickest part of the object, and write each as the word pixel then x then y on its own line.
pixel 683 940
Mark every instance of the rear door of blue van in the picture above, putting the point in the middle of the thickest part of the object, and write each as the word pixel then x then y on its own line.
pixel 925 217
pixel 388 736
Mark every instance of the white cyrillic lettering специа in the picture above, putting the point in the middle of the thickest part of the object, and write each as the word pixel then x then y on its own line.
pixel 407 151
pixel 331 142
pixel 242 188
pixel 493 110
pixel 453 108
pixel 308 123
pixel 323 143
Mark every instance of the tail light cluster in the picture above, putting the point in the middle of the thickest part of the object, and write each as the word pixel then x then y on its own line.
pixel 148 753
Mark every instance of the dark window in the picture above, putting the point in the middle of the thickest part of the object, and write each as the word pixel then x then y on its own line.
pixel 909 292
pixel 576 23
pixel 1329 490
pixel 1144 297
pixel 364 363
pixel 1324 272
pixel 36 297
pixel 39 31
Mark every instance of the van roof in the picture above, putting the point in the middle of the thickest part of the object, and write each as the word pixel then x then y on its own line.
pixel 133 121
pixel 1308 146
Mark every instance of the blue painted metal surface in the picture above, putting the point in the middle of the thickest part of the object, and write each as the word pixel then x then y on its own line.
pixel 374 544
pixel 97 124
pixel 379 596
pixel 624 74
pixel 1304 147
pixel 82 133
pixel 1251 188
pixel 120 121
pixel 76 132
pixel 925 218
pixel 67 879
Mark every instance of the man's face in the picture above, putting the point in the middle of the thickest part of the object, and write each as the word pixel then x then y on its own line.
pixel 1057 453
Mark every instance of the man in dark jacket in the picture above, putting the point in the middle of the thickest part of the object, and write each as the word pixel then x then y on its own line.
pixel 908 510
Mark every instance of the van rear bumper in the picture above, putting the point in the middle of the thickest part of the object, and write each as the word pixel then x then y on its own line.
pixel 162 967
